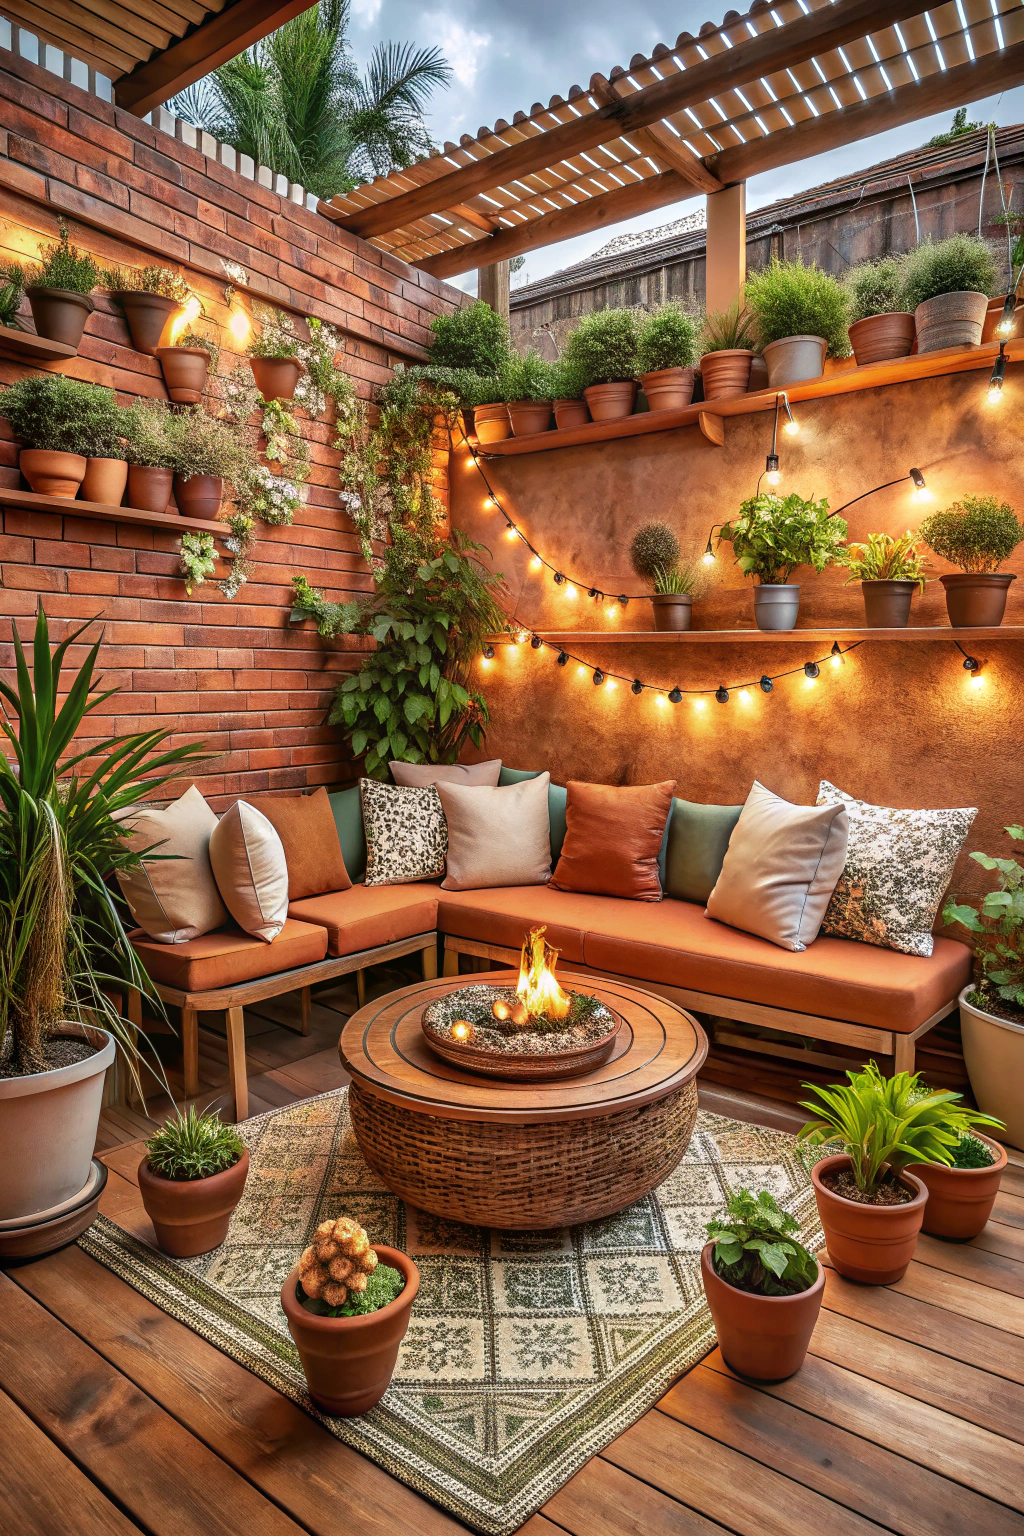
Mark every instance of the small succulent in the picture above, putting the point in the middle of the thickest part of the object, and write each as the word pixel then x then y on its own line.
pixel 340 1275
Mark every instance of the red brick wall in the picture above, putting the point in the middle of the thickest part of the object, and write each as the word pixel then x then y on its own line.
pixel 233 674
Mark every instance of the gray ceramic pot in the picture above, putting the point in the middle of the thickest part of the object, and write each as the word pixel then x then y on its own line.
pixel 776 607
pixel 794 359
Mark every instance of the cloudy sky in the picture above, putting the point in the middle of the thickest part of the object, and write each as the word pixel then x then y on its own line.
pixel 507 54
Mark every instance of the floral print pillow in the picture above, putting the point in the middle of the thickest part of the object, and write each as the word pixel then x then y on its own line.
pixel 406 833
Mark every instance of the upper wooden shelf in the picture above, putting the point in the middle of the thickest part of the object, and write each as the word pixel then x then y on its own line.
pixel 28 501
pixel 568 637
pixel 709 415
pixel 36 348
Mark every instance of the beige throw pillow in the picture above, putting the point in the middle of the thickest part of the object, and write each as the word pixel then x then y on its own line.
pixel 173 899
pixel 249 865
pixel 422 775
pixel 780 868
pixel 497 836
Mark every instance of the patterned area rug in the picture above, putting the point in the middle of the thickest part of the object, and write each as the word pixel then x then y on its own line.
pixel 527 1352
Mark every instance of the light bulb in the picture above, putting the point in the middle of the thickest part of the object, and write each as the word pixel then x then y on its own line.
pixel 536 563
pixel 660 700
pixel 792 428
pixel 511 534
pixel 581 671
pixel 809 682
pixel 995 393
pixel 522 637
pixel 239 325
pixel 922 493
pixel 836 661
pixel 570 590
pixel 611 613
pixel 744 695
pixel 489 502
pixel 773 477
pixel 709 557
pixel 977 680
pixel 700 704
pixel 610 683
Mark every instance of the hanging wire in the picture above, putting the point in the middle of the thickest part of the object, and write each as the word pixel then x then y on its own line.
pixel 913 199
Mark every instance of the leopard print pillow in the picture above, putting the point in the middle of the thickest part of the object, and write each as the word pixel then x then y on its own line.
pixel 406 833
pixel 898 864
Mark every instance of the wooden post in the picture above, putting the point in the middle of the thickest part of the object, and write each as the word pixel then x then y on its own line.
pixel 726 260
pixel 493 287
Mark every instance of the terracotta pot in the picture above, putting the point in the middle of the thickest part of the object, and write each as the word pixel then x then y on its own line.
pixel 611 402
pixel 149 488
pixel 668 389
pixel 870 1243
pixel 776 605
pixel 276 377
pixel 105 480
pixel 571 413
pixel 529 416
pixel 960 1200
pixel 726 374
pixel 199 495
pixel 672 610
pixel 492 423
pixel 52 474
pixel 994 1055
pixel 185 370
pixel 149 317
pixel 349 1361
pixel 880 338
pixel 59 314
pixel 794 359
pixel 950 320
pixel 191 1216
pixel 887 603
pixel 764 1338
pixel 973 601
pixel 758 374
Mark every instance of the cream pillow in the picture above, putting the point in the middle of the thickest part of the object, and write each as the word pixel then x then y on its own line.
pixel 251 871
pixel 497 836
pixel 780 868
pixel 173 899
pixel 421 775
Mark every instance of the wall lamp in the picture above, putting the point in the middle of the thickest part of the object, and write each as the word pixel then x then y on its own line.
pixel 972 666
pixel 771 465
pixel 921 490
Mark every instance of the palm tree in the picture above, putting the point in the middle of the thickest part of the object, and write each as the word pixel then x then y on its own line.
pixel 297 103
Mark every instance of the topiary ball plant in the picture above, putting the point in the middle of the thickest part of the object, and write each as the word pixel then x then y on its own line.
pixel 655 548
pixel 667 338
pixel 961 264
pixel 604 347
pixel 525 377
pixel 788 299
pixel 976 533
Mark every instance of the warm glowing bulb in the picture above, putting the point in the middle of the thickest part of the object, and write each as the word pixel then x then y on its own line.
pixel 709 558
pixel 700 703
pixel 837 661
pixel 511 534
pixel 660 700
pixel 192 308
pixel 570 590
pixel 773 477
pixel 536 563
pixel 995 394
pixel 239 325
pixel 792 427
pixel 522 637
pixel 977 680
pixel 609 682
pixel 809 682
pixel 744 695
pixel 489 502
pixel 922 493
pixel 581 671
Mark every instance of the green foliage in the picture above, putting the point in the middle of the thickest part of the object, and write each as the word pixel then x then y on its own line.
pixel 976 533
pixel 525 377
pixel 875 288
pixel 192 1146
pixel 201 444
pixel 654 548
pixel 997 923
pixel 198 559
pixel 476 338
pixel 568 379
pixel 956 130
pixel 886 558
pixel 727 330
pixel 63 265
pixel 971 1152
pixel 383 1286
pixel 467 387
pixel 772 535
pixel 603 347
pixel 667 339
pixel 47 410
pixel 887 1123
pixel 12 291
pixel 160 280
pixel 146 426
pixel 692 578
pixel 755 1249
pixel 204 341
pixel 267 343
pixel 960 264
pixel 788 299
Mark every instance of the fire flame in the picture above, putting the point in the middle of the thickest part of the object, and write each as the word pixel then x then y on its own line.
pixel 537 986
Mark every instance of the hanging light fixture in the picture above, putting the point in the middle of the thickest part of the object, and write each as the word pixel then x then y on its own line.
pixel 995 383
pixel 1007 320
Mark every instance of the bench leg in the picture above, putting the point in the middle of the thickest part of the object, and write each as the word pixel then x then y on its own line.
pixel 451 963
pixel 430 962
pixel 361 988
pixel 904 1054
pixel 236 1063
pixel 306 1006
pixel 190 1049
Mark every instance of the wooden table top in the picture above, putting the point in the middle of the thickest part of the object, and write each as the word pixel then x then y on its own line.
pixel 658 1050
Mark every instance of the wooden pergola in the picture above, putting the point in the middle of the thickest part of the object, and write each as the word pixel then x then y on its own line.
pixel 785 81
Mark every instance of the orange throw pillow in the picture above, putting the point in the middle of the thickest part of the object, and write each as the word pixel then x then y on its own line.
pixel 613 838
pixel 306 826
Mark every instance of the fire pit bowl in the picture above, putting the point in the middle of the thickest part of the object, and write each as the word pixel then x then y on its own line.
pixel 524 1054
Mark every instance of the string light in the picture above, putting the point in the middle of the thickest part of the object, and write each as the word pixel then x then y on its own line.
pixel 563 657
pixel 972 666
pixel 1007 319
pixel 722 694
pixel 766 684
pixel 536 642
pixel 921 491
pixel 995 383
pixel 811 670
pixel 836 655
pixel 598 677
pixel 675 697
pixel 792 426
pixel 637 687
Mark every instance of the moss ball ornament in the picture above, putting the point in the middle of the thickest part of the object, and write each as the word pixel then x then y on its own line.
pixel 338 1261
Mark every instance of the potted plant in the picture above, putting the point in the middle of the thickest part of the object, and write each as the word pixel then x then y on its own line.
pixel 150 298
pixel 870 1206
pixel 604 348
pixel 275 364
pixel 490 413
pixel 976 533
pixel 728 344
pixel 567 386
pixel 802 316
pixel 992 1006
pixel 890 569
pixel 150 454
pixel 64 954
pixel 656 557
pixel 526 389
pixel 58 290
pixel 475 338
pixel 103 436
pixel 764 1288
pixel 190 1181
pixel 962 1194
pixel 50 415
pixel 348 1307
pixel 880 329
pixel 771 536
pixel 666 353
pixel 186 363
pixel 947 284
pixel 204 453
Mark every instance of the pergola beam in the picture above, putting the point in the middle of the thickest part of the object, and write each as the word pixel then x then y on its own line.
pixel 826 28
pixel 658 142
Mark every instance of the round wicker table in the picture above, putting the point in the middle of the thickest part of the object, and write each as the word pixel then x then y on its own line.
pixel 523 1156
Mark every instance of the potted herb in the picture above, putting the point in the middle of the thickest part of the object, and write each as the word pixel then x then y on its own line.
pixel 656 557
pixel 976 533
pixel 962 1194
pixel 275 364
pixel 771 537
pixel 666 353
pixel 204 453
pixel 103 436
pixel 190 1181
pixel 948 284
pixel 475 337
pixel 567 386
pixel 12 291
pixel 526 387
pixel 764 1288
pixel 150 454
pixel 880 328
pixel 58 290
pixel 150 298
pixel 890 570
pixel 729 345
pixel 604 348
pixel 51 416
pixel 870 1205
pixel 186 363
pixel 490 413
pixel 992 1006
pixel 348 1307
pixel 802 316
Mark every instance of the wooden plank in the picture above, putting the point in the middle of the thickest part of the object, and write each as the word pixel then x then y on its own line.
pixel 27 344
pixel 658 141
pixel 964 1297
pixel 1008 1209
pixel 28 501
pixel 984 1268
pixel 602 1500
pixel 997 1238
pixel 1012 1182
pixel 39 1487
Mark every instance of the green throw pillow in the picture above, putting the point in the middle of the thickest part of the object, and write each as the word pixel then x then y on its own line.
pixel 348 818
pixel 698 836
pixel 556 805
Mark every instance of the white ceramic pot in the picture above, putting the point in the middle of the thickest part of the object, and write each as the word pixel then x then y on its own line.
pixel 794 359
pixel 776 605
pixel 994 1053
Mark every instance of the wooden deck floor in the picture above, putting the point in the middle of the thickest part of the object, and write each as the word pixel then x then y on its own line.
pixel 907 1417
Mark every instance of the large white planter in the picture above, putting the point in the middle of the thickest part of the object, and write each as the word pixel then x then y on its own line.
pixel 48 1124
pixel 994 1053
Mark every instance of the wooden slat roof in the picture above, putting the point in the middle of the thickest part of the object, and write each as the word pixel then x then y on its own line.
pixel 785 81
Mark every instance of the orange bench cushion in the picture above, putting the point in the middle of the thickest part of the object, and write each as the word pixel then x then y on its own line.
pixel 228 956
pixel 366 916
pixel 505 915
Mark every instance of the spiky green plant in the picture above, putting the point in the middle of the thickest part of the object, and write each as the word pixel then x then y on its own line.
pixel 755 1247
pixel 192 1146
pixel 971 1152
pixel 726 330
pixel 788 299
pixel 654 548
pixel 12 291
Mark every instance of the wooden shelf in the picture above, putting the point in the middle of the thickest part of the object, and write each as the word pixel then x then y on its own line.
pixel 28 501
pixel 568 637
pixel 709 415
pixel 36 348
